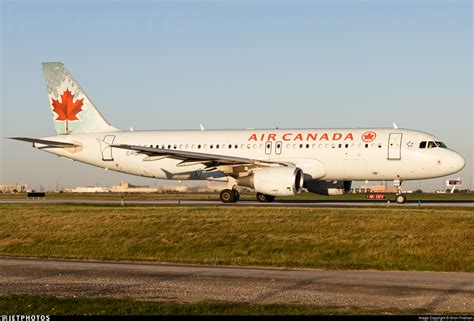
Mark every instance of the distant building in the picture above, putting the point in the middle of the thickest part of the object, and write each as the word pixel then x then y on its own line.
pixel 16 188
pixel 87 189
pixel 373 189
pixel 125 187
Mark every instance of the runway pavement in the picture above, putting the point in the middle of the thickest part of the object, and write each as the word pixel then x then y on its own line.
pixel 276 203
pixel 430 292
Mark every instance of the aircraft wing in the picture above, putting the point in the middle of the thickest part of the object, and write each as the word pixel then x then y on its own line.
pixel 48 143
pixel 195 157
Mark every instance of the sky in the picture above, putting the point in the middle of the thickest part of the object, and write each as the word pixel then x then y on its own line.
pixel 236 64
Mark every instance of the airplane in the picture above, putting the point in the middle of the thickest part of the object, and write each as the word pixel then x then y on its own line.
pixel 273 162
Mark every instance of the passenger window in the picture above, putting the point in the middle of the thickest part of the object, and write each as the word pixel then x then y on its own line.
pixel 380 145
pixel 340 145
pixel 217 146
pixel 366 145
pixel 169 146
pixel 423 145
pixel 230 146
pixel 301 145
pixel 199 146
pixel 212 146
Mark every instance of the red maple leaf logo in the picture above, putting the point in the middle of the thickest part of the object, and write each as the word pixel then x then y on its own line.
pixel 67 109
pixel 368 136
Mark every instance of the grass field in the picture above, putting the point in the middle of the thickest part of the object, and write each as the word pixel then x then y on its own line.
pixel 362 238
pixel 48 305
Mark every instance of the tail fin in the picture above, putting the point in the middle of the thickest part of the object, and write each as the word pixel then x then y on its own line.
pixel 73 112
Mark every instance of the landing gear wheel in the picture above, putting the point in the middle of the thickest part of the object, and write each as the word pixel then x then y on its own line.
pixel 401 199
pixel 265 198
pixel 236 195
pixel 227 196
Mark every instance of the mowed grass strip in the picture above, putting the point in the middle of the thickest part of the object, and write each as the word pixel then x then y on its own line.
pixel 358 238
pixel 49 305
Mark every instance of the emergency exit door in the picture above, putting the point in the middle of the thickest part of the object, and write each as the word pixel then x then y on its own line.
pixel 395 146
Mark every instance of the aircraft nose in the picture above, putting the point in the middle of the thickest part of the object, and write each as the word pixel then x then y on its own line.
pixel 456 162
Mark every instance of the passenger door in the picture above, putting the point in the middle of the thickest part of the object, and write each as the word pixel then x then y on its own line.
pixel 395 146
pixel 106 149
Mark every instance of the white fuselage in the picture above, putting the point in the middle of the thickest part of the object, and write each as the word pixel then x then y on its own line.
pixel 322 154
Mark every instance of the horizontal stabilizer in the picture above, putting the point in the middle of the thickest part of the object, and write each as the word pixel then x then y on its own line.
pixel 50 143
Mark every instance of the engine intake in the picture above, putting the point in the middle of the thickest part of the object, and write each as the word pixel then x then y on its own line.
pixel 276 181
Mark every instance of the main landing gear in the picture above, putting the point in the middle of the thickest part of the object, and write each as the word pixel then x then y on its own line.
pixel 230 196
pixel 233 196
pixel 399 198
pixel 265 198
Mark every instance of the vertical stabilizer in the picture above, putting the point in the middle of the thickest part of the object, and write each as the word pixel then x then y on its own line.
pixel 73 112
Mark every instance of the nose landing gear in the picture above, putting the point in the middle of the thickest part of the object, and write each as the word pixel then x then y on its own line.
pixel 399 198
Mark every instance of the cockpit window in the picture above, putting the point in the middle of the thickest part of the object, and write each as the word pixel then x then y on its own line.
pixel 432 145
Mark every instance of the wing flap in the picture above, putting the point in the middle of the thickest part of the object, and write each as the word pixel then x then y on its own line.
pixel 195 157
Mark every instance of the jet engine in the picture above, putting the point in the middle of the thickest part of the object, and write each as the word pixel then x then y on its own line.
pixel 275 181
pixel 328 187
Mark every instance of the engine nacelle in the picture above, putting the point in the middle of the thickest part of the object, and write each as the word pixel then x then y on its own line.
pixel 328 188
pixel 275 181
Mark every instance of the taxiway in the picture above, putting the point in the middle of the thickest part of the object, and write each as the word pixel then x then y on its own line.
pixel 429 292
